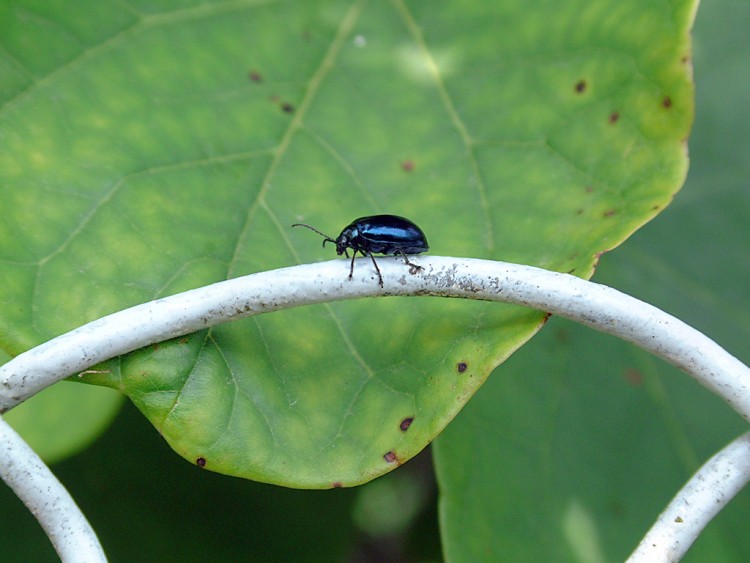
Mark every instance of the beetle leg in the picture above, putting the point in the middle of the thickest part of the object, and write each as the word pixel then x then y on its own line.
pixel 380 277
pixel 412 266
pixel 351 268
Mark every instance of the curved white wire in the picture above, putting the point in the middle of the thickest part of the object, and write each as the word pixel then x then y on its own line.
pixel 702 498
pixel 46 498
pixel 597 306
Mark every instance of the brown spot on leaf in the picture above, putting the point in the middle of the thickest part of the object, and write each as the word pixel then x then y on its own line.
pixel 407 165
pixel 609 212
pixel 461 367
pixel 581 86
pixel 404 426
pixel 200 462
pixel 286 107
pixel 391 457
pixel 256 76
pixel 616 508
pixel 337 484
pixel 633 376
pixel 666 102
pixel 614 117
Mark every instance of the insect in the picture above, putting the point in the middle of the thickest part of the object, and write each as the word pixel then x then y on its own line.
pixel 379 234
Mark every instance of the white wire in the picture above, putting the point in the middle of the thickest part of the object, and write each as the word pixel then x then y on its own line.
pixel 46 498
pixel 597 306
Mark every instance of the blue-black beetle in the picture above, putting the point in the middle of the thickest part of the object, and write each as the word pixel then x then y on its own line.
pixel 379 234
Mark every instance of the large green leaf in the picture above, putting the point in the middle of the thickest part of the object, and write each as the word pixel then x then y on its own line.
pixel 576 445
pixel 581 428
pixel 63 419
pixel 151 148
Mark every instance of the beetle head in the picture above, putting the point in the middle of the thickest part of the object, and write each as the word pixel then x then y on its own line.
pixel 342 243
pixel 341 247
pixel 349 238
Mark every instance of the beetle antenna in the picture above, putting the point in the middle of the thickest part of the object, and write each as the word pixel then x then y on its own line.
pixel 325 236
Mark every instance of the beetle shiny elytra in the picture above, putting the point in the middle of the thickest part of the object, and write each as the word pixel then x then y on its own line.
pixel 379 234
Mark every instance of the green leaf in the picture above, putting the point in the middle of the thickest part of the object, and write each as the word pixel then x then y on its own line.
pixel 150 149
pixel 64 419
pixel 579 419
pixel 147 504
pixel 576 445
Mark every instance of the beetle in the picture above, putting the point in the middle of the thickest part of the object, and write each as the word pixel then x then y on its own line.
pixel 379 234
